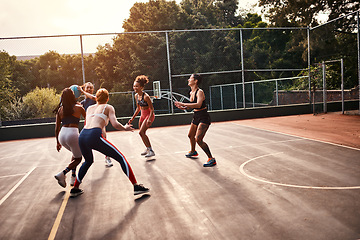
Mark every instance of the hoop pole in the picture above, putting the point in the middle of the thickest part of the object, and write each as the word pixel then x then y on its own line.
pixel 82 59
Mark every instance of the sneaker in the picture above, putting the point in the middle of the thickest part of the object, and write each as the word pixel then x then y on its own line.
pixel 74 192
pixel 150 153
pixel 144 153
pixel 60 177
pixel 211 162
pixel 139 189
pixel 108 162
pixel 72 180
pixel 192 154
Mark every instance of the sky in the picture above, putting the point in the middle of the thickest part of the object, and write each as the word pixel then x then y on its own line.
pixel 24 18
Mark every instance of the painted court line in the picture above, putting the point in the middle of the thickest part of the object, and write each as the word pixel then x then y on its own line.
pixel 16 186
pixel 59 216
pixel 241 169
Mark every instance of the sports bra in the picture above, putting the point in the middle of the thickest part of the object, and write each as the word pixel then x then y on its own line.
pixel 70 120
pixel 203 105
pixel 102 115
pixel 142 102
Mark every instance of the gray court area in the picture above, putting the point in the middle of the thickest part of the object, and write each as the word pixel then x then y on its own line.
pixel 266 185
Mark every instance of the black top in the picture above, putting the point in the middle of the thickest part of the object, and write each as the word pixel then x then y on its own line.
pixel 203 105
pixel 70 119
pixel 142 102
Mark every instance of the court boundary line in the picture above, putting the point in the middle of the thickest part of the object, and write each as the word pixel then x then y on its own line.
pixel 16 186
pixel 242 171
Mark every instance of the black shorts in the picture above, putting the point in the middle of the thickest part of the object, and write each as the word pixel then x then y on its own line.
pixel 201 117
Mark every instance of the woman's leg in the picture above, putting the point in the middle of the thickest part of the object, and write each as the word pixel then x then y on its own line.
pixel 143 127
pixel 108 149
pixel 191 135
pixel 200 134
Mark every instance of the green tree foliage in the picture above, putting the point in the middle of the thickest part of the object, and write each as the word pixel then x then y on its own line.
pixel 40 102
pixel 305 13
pixel 7 89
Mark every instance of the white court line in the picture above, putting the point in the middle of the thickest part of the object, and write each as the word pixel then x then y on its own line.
pixel 14 175
pixel 287 185
pixel 286 134
pixel 16 186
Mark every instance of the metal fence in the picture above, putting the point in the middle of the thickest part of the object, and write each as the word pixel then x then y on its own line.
pixel 238 81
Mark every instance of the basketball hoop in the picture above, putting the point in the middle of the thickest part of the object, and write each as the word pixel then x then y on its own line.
pixel 156 90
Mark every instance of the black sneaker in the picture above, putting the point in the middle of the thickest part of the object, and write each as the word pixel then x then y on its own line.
pixel 139 189
pixel 74 192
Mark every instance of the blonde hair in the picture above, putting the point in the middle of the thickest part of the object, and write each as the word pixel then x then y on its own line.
pixel 102 95
pixel 142 80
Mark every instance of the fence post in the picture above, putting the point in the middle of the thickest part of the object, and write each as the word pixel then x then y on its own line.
pixel 324 87
pixel 221 98
pixel 277 93
pixel 235 96
pixel 309 63
pixel 210 109
pixel 82 59
pixel 242 66
pixel 342 86
pixel 358 47
pixel 253 93
pixel 169 69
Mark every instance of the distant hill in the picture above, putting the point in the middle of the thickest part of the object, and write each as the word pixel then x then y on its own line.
pixel 23 58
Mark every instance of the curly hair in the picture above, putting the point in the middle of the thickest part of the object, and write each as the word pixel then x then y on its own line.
pixel 142 80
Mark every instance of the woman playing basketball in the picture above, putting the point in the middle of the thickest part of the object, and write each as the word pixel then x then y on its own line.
pixel 68 114
pixel 88 90
pixel 201 119
pixel 91 137
pixel 144 104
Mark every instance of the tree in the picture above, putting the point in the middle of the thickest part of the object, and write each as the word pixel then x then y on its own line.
pixel 7 90
pixel 40 103
pixel 305 13
pixel 155 15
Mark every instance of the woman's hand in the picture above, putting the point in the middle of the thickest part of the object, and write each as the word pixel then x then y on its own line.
pixel 130 121
pixel 58 146
pixel 148 122
pixel 180 105
pixel 128 127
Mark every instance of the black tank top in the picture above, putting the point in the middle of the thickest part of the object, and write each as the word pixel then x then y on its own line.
pixel 142 102
pixel 70 119
pixel 203 105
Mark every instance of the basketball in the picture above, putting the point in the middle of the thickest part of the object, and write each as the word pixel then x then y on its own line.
pixel 76 91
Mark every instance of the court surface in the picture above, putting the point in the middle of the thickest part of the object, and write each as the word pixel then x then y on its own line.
pixel 266 185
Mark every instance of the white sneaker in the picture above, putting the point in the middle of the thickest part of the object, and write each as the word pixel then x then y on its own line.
pixel 145 152
pixel 72 180
pixel 60 177
pixel 150 153
pixel 108 162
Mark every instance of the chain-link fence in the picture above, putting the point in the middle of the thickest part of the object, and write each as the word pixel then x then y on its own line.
pixel 242 67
